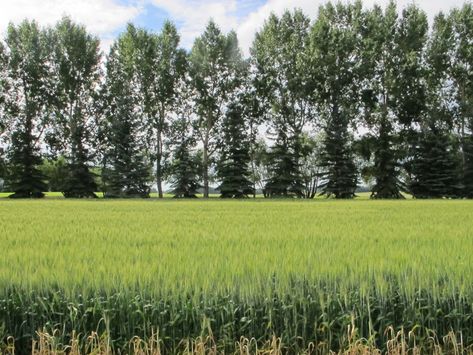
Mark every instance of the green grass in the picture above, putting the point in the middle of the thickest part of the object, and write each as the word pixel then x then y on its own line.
pixel 357 259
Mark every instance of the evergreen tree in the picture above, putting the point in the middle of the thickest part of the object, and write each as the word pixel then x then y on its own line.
pixel 233 167
pixel 77 74
pixel 282 79
pixel 126 172
pixel 334 51
pixel 28 97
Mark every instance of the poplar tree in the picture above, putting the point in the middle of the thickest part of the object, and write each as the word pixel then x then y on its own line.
pixel 215 65
pixel 436 162
pixel 159 64
pixel 282 77
pixel 26 108
pixel 378 66
pixel 462 74
pixel 334 54
pixel 77 75
pixel 3 122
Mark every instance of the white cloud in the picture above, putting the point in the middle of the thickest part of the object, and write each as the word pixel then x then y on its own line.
pixel 101 17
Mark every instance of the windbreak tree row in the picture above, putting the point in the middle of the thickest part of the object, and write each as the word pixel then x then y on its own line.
pixel 371 97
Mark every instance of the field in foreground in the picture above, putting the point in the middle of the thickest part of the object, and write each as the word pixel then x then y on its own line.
pixel 305 271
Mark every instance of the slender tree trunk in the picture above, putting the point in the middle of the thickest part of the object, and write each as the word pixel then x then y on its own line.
pixel 205 163
pixel 159 172
pixel 159 157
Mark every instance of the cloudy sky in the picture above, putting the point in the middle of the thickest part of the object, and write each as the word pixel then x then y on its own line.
pixel 106 18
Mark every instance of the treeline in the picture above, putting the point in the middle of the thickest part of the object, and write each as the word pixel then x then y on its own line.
pixel 357 95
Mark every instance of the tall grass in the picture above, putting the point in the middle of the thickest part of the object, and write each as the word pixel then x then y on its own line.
pixel 300 270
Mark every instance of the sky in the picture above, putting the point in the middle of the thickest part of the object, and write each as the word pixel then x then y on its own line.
pixel 107 18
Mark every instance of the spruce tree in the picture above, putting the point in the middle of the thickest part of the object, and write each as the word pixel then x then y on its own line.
pixel 126 171
pixel 233 167
pixel 27 100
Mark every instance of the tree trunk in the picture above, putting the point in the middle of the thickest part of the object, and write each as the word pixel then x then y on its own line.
pixel 205 164
pixel 159 183
pixel 159 172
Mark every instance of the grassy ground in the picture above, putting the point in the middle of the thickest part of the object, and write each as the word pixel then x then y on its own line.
pixel 408 262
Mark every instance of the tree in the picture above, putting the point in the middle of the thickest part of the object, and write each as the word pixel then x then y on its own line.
pixel 334 55
pixel 3 121
pixel 215 66
pixel 56 171
pixel 126 171
pixel 312 147
pixel 77 74
pixel 436 164
pixel 259 164
pixel 233 167
pixel 282 78
pixel 462 74
pixel 186 166
pixel 377 71
pixel 159 64
pixel 26 106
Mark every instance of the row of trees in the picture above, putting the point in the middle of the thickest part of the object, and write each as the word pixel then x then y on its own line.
pixel 357 94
